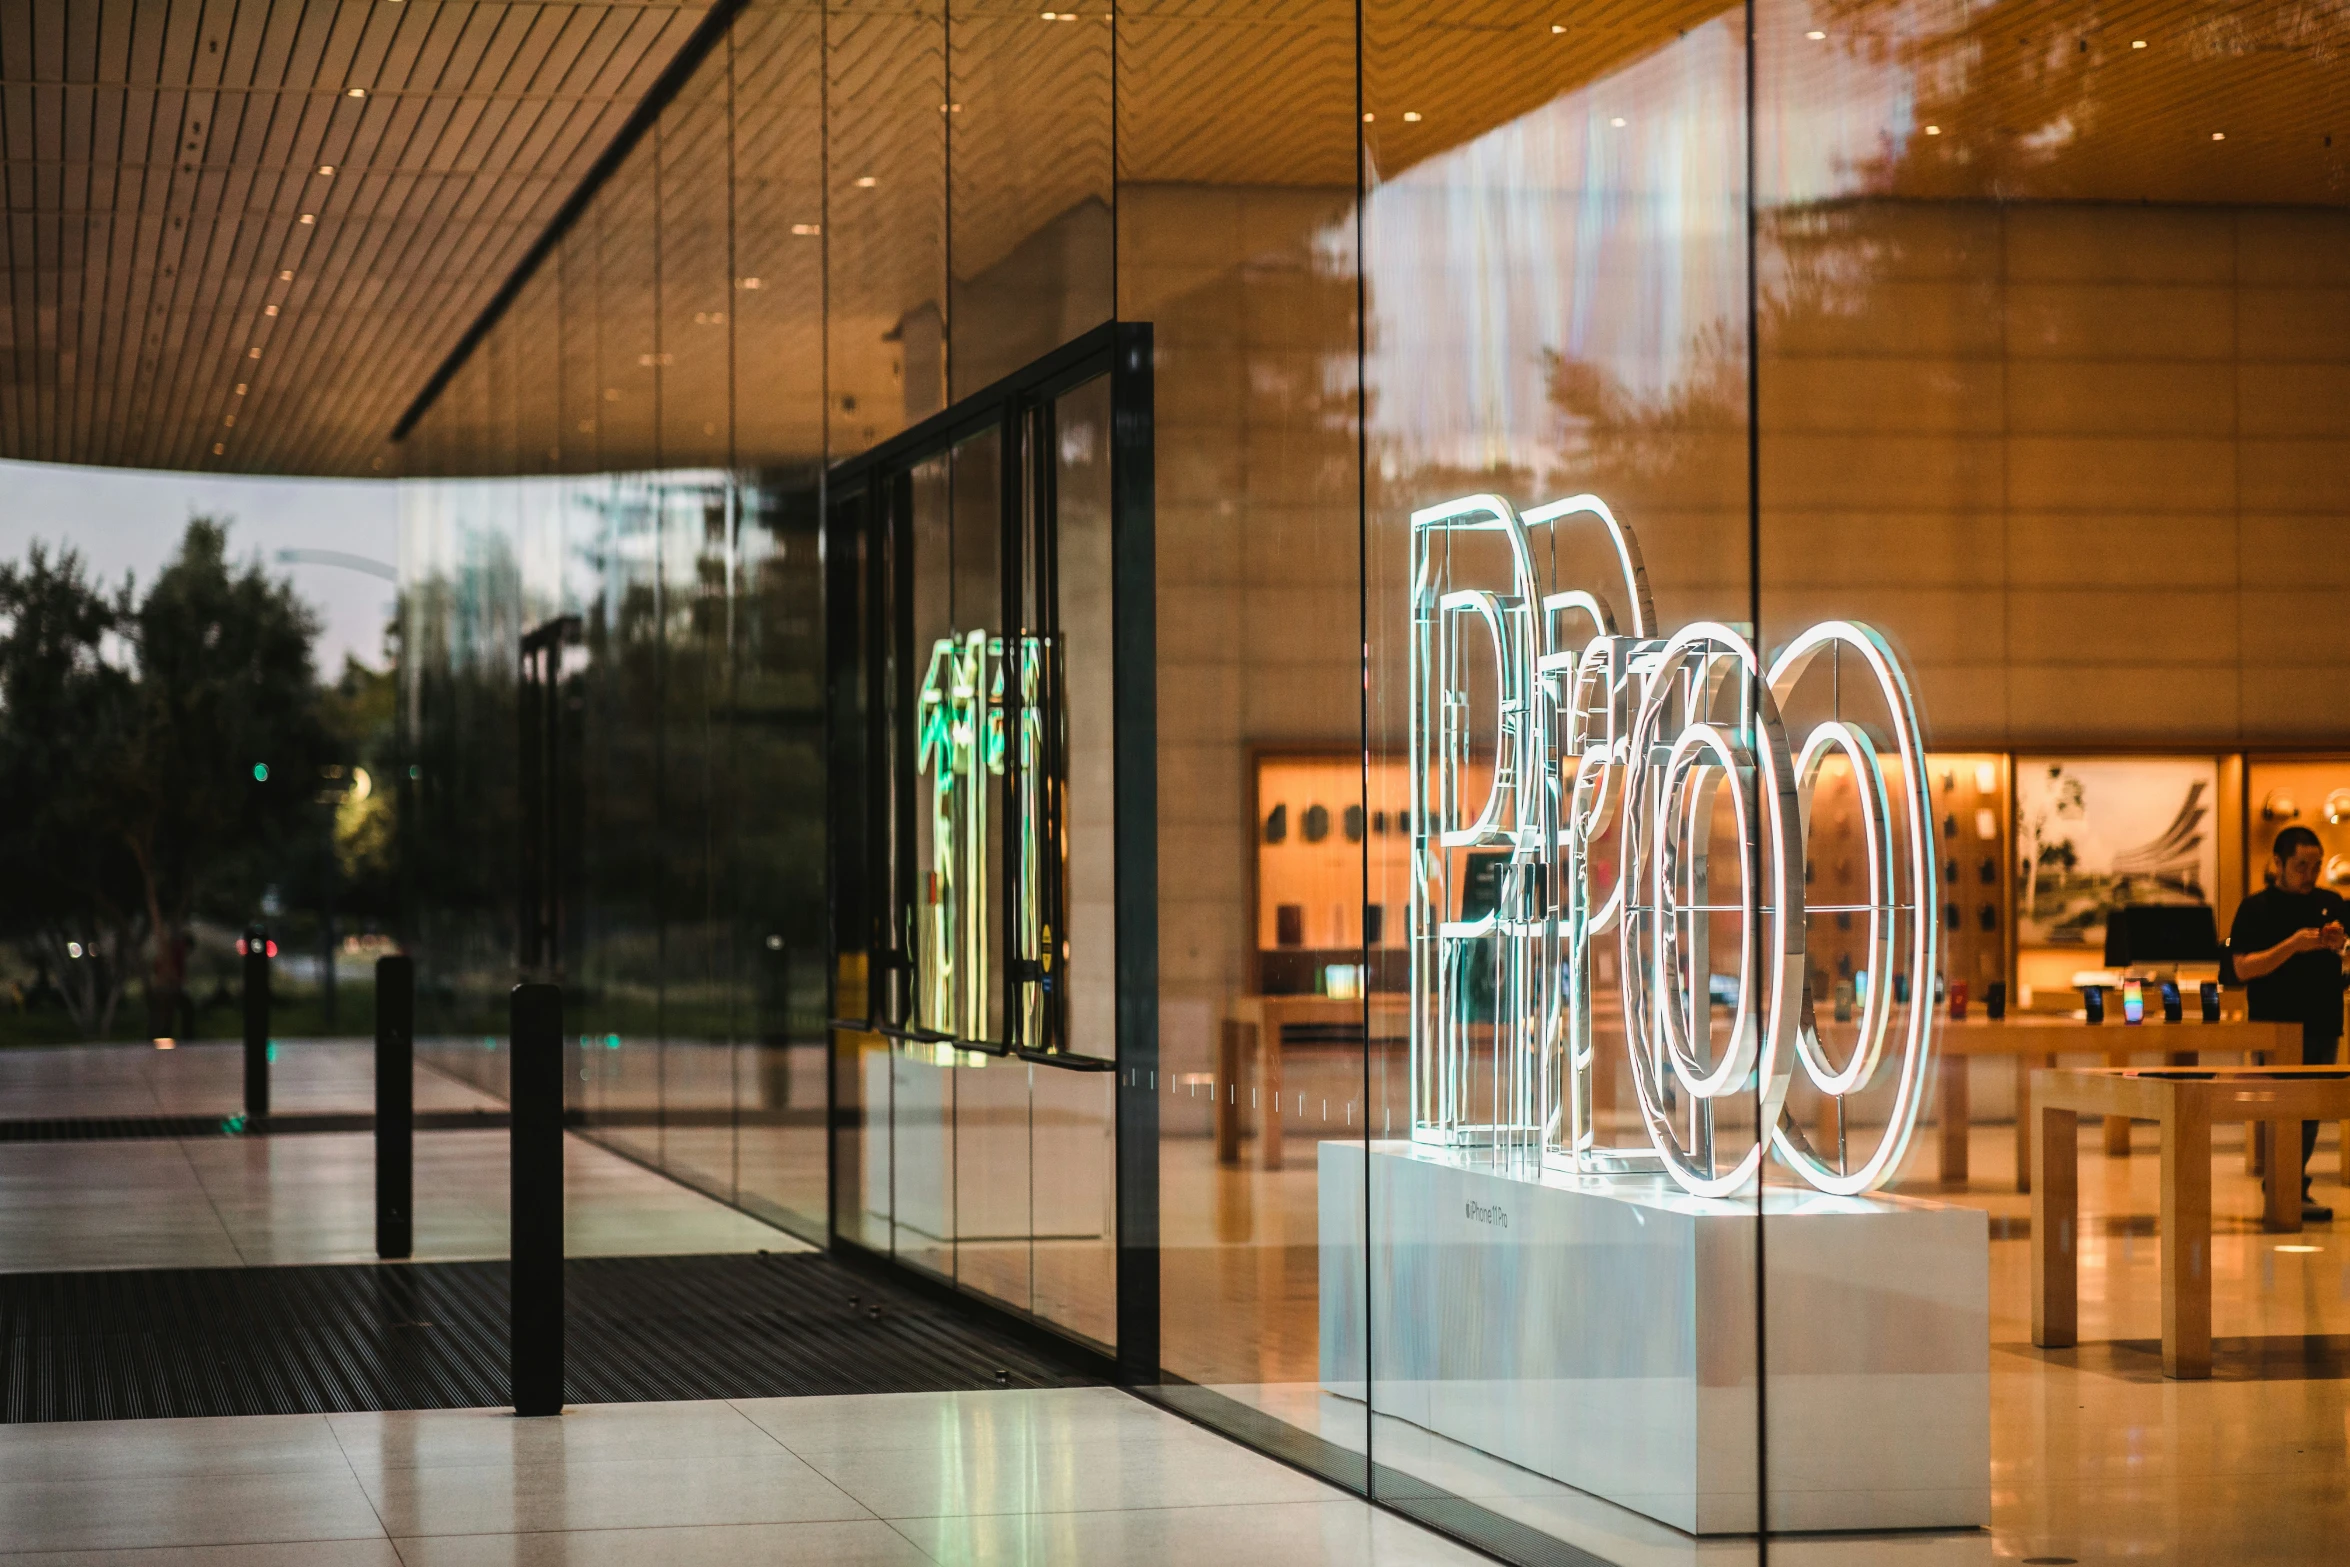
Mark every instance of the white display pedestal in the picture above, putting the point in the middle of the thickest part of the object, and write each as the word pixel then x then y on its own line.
pixel 1601 1331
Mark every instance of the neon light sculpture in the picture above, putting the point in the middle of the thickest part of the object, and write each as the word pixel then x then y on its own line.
pixel 960 745
pixel 1619 745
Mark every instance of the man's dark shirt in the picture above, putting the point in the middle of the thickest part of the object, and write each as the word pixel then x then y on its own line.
pixel 2307 987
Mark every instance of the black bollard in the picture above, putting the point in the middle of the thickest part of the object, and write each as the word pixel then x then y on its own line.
pixel 395 1105
pixel 536 1095
pixel 256 1023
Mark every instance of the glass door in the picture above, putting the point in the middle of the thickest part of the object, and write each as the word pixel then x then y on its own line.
pixel 980 927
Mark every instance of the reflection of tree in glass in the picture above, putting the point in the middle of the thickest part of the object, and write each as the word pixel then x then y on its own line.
pixel 156 762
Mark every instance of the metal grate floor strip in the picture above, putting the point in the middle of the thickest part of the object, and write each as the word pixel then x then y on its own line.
pixel 307 1340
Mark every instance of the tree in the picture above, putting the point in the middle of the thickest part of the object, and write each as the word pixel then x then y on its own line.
pixel 69 887
pixel 225 746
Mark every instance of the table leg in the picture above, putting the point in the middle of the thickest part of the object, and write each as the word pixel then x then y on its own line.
pixel 2345 1153
pixel 1956 1114
pixel 2281 1185
pixel 1232 1051
pixel 2056 1213
pixel 2023 1119
pixel 2186 1240
pixel 2255 1147
pixel 2117 1137
pixel 1269 1094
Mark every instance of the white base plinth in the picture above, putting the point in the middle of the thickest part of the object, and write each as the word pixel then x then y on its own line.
pixel 1601 1331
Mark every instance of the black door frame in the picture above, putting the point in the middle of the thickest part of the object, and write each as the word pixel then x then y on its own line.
pixel 868 573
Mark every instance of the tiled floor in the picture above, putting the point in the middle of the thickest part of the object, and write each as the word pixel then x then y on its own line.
pixel 1085 1475
pixel 309 1197
pixel 307 1076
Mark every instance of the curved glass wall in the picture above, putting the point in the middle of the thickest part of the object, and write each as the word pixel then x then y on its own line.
pixel 1709 566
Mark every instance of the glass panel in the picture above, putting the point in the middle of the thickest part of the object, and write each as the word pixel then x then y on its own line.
pixel 693 378
pixel 1237 172
pixel 1561 1294
pixel 2046 299
pixel 1073 1190
pixel 885 213
pixel 861 824
pixel 1028 143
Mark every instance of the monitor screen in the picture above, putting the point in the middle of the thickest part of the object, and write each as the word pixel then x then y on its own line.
pixel 2160 933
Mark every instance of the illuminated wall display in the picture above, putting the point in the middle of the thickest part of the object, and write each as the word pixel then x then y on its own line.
pixel 1613 745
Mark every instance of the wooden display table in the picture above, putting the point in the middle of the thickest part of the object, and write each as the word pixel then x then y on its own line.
pixel 1252 1033
pixel 2037 1042
pixel 2184 1101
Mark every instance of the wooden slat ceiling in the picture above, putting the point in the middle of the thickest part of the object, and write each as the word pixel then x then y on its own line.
pixel 165 190
pixel 187 287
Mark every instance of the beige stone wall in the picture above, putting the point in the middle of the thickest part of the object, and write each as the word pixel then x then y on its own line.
pixel 1259 582
pixel 2089 464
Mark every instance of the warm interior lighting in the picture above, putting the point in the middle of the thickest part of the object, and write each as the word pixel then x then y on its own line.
pixel 358 92
pixel 167 1044
pixel 327 169
pixel 749 282
pixel 309 217
pixel 1815 35
pixel 286 276
pixel 269 310
pixel 219 450
pixel 2219 135
pixel 1617 122
pixel 866 182
pixel 1368 118
pixel 1557 27
pixel 252 353
pixel 240 388
pixel 1933 130
pixel 2301 1248
pixel 2137 43
pixel 1411 116
pixel 806 229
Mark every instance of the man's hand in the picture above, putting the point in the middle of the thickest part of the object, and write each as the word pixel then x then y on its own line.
pixel 2333 936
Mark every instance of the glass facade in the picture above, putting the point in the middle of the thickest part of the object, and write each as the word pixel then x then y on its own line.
pixel 1686 553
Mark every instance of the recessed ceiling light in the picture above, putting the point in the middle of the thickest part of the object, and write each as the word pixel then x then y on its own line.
pixel 750 282
pixel 309 217
pixel 806 229
pixel 1557 28
pixel 1411 116
pixel 218 449
pixel 1618 122
pixel 252 353
pixel 865 182
pixel 2137 43
pixel 286 276
pixel 240 388
pixel 2219 135
pixel 358 92
pixel 1815 35
pixel 327 169
pixel 269 310
pixel 2301 1248
pixel 230 422
pixel 1368 118
pixel 1933 130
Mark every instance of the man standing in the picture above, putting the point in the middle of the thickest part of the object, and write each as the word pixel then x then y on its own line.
pixel 2286 948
